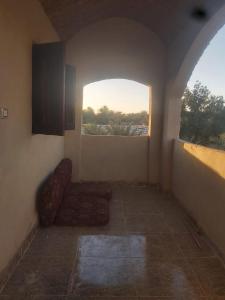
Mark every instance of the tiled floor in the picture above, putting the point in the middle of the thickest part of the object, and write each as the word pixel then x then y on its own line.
pixel 149 251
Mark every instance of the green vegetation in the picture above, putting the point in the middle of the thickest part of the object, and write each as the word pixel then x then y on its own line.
pixel 123 130
pixel 203 117
pixel 105 116
pixel 109 122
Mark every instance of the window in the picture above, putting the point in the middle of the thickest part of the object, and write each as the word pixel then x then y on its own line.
pixel 203 102
pixel 116 107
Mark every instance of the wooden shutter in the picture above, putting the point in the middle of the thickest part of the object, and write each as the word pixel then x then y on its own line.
pixel 70 98
pixel 48 89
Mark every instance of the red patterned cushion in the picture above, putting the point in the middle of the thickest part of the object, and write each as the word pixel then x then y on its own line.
pixel 64 171
pixel 83 210
pixel 102 190
pixel 50 199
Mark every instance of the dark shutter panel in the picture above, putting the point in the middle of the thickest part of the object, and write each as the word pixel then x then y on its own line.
pixel 48 89
pixel 70 98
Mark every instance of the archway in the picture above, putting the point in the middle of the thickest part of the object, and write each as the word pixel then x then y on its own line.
pixel 116 107
pixel 104 51
pixel 174 90
pixel 203 102
pixel 115 131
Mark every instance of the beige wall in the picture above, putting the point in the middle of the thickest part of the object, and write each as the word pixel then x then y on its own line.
pixel 117 48
pixel 114 158
pixel 24 159
pixel 199 183
pixel 183 54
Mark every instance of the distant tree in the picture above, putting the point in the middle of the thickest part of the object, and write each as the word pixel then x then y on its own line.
pixel 106 116
pixel 115 129
pixel 109 122
pixel 202 116
pixel 93 129
pixel 123 130
pixel 141 118
pixel 89 116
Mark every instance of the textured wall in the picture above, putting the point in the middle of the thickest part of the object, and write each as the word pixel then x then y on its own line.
pixel 183 55
pixel 118 48
pixel 24 159
pixel 114 158
pixel 199 183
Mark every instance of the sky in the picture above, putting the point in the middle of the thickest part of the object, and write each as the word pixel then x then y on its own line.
pixel 118 94
pixel 210 69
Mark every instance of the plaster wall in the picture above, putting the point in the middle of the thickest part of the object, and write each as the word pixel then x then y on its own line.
pixel 199 184
pixel 117 48
pixel 183 55
pixel 114 158
pixel 25 160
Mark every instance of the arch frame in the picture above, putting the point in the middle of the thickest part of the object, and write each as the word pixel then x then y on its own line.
pixel 174 89
pixel 118 48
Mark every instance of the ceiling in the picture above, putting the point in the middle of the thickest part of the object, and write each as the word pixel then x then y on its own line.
pixel 167 18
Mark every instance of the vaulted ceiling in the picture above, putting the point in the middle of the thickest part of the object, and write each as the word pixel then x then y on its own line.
pixel 167 18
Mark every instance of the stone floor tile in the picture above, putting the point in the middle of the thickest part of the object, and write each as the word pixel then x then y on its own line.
pixel 146 223
pixel 146 252
pixel 141 205
pixel 178 223
pixel 211 274
pixel 104 277
pixel 158 246
pixel 194 245
pixel 168 279
pixel 108 246
pixel 102 298
pixel 154 246
pixel 40 276
pixel 16 297
pixel 174 298
pixel 50 298
pixel 54 243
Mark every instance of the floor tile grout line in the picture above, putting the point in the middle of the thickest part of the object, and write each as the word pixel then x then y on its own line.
pixel 19 261
pixel 126 229
pixel 124 215
pixel 71 278
pixel 74 259
pixel 186 258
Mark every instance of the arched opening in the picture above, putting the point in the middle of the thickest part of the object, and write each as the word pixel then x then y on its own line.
pixel 197 171
pixel 125 49
pixel 203 102
pixel 175 88
pixel 116 107
pixel 115 131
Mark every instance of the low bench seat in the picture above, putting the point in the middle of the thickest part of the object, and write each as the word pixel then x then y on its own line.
pixel 97 189
pixel 62 202
pixel 83 210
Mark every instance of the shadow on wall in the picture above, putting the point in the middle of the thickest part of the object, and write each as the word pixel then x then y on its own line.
pixel 115 158
pixel 199 184
pixel 213 159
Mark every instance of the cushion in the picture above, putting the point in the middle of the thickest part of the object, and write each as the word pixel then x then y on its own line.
pixel 49 200
pixel 83 210
pixel 64 171
pixel 102 190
